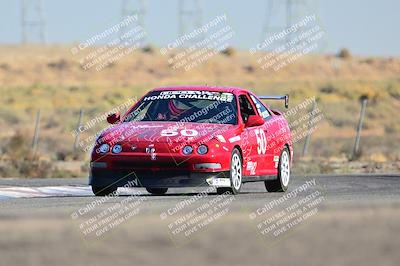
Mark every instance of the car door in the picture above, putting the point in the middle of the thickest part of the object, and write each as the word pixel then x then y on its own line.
pixel 253 140
pixel 268 158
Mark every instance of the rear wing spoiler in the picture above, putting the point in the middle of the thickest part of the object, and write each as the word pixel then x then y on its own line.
pixel 277 97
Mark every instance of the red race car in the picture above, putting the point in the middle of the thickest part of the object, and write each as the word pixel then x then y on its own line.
pixel 194 136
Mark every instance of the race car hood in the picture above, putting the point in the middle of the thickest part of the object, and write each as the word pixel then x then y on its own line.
pixel 165 132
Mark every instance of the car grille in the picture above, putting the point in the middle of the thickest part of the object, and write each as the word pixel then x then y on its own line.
pixel 148 164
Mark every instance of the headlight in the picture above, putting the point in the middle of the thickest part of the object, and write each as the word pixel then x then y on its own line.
pixel 117 148
pixel 202 149
pixel 187 150
pixel 104 148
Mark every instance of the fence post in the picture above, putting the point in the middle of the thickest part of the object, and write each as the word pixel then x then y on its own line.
pixel 308 137
pixel 76 142
pixel 356 149
pixel 36 133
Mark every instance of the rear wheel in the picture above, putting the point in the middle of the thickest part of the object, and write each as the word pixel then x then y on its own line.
pixel 235 174
pixel 281 183
pixel 104 191
pixel 157 191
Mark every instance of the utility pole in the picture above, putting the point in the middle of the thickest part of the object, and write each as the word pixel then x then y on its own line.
pixel 190 16
pixel 36 133
pixel 310 126
pixel 33 23
pixel 356 149
pixel 280 15
pixel 132 8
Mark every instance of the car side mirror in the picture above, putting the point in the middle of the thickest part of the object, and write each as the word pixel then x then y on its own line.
pixel 113 118
pixel 254 120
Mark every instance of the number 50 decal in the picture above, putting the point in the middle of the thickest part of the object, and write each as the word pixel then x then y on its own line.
pixel 184 132
pixel 261 141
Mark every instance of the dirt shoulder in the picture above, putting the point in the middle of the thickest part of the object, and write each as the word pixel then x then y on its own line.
pixel 364 236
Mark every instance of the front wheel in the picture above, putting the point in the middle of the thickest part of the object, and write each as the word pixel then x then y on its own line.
pixel 157 191
pixel 235 174
pixel 281 183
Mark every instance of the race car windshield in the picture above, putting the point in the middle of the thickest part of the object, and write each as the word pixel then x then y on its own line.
pixel 186 106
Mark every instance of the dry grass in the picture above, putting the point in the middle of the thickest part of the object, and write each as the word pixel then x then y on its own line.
pixel 51 78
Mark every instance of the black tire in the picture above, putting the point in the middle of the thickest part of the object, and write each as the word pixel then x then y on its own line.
pixel 157 191
pixel 280 184
pixel 104 191
pixel 236 169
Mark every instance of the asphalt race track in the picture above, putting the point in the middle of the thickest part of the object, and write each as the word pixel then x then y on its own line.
pixel 341 220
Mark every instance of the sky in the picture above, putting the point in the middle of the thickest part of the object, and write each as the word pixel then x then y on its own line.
pixel 369 28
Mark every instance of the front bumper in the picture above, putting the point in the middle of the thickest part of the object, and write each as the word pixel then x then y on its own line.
pixel 152 178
